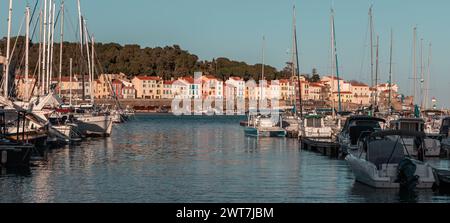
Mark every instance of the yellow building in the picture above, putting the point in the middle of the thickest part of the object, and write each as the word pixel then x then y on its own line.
pixel 285 89
pixel 148 87
pixel 361 93
pixel 315 91
pixel 346 97
pixel 102 88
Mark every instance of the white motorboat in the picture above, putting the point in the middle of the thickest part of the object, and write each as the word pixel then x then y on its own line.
pixel 265 126
pixel 381 162
pixel 356 128
pixel 314 128
pixel 433 146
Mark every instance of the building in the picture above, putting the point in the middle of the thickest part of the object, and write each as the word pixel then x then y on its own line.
pixel 75 86
pixel 148 87
pixel 385 87
pixel 180 88
pixel 193 87
pixel 117 86
pixel 273 90
pixel 331 83
pixel 235 88
pixel 22 85
pixel 285 90
pixel 103 85
pixel 211 87
pixel 315 91
pixel 128 92
pixel 346 97
pixel 361 93
pixel 168 90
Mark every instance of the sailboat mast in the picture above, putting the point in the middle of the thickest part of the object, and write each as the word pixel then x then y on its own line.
pixel 80 20
pixel 298 72
pixel 70 84
pixel 8 48
pixel 27 50
pixel 93 69
pixel 292 96
pixel 337 65
pixel 61 46
pixel 414 64
pixel 40 54
pixel 390 70
pixel 44 46
pixel 332 60
pixel 422 86
pixel 428 78
pixel 51 46
pixel 49 38
pixel 88 56
pixel 371 46
pixel 376 71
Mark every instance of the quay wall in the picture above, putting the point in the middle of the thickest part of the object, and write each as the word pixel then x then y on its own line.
pixel 157 104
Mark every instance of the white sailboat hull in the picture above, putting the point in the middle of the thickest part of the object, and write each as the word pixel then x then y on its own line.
pixel 95 125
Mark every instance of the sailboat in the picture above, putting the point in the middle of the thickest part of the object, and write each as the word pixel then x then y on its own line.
pixel 264 123
pixel 91 121
pixel 291 120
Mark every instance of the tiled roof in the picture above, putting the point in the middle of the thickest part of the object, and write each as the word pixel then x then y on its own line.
pixel 343 92
pixel 148 78
pixel 359 85
pixel 236 78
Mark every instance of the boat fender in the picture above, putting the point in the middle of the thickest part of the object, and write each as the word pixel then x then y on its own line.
pixel 406 175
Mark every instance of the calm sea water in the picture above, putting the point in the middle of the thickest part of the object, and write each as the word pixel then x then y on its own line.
pixel 161 158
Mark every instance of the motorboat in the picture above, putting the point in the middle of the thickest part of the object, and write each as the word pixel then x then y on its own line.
pixel 355 128
pixel 265 125
pixel 433 121
pixel 314 128
pixel 433 145
pixel 382 161
pixel 14 153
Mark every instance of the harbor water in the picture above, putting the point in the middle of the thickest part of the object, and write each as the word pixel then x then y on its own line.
pixel 165 158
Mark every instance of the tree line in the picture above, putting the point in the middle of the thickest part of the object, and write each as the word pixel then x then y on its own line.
pixel 132 59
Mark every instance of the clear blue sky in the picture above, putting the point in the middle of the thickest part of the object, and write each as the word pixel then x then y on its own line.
pixel 234 29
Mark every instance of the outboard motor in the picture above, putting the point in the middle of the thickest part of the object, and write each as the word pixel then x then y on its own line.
pixel 406 175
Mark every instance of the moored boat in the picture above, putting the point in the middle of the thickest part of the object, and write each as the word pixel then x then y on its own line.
pixel 433 146
pixel 356 128
pixel 265 126
pixel 381 162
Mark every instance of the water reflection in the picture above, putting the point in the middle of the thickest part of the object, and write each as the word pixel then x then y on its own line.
pixel 192 159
